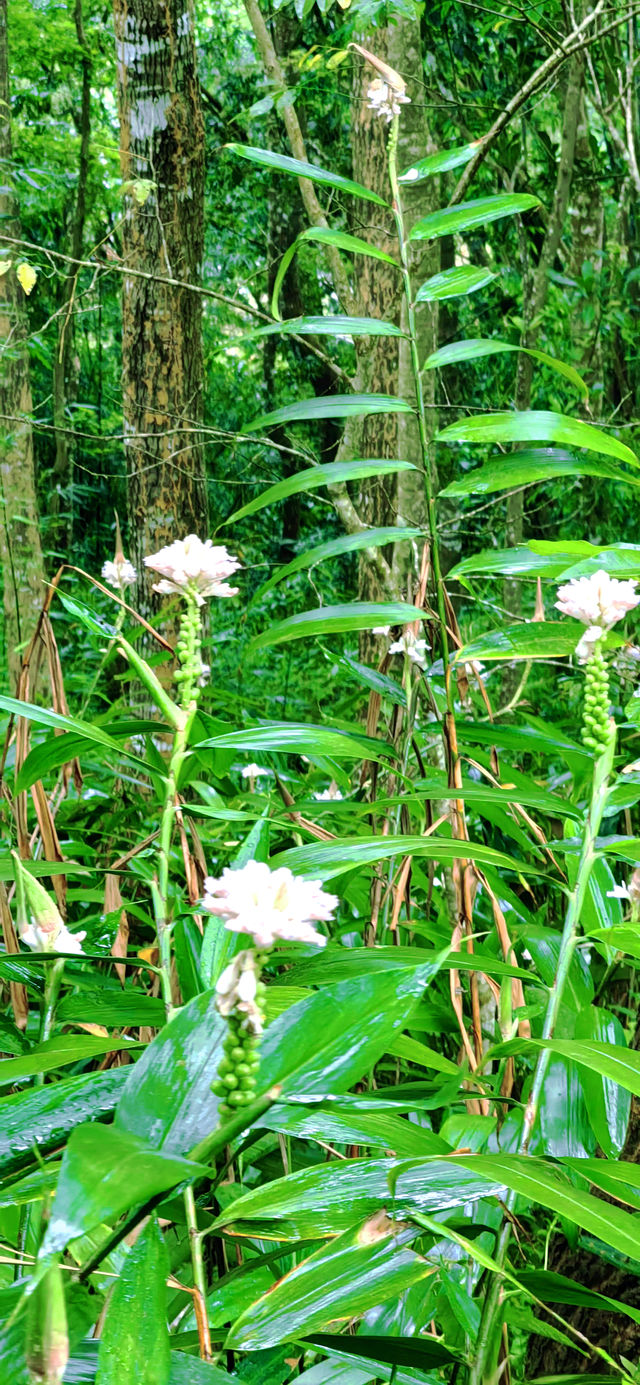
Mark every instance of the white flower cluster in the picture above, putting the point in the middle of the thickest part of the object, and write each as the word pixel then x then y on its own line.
pixel 410 644
pixel 52 940
pixel 599 602
pixel 237 989
pixel 270 905
pixel 386 100
pixel 120 573
pixel 189 565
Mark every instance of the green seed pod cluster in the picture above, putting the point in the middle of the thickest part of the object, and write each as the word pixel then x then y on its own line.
pixel 238 1071
pixel 596 727
pixel 188 650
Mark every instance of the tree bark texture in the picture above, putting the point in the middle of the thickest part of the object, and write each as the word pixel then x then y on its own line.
pixel 535 287
pixel 20 547
pixel 162 156
pixel 405 55
pixel 62 488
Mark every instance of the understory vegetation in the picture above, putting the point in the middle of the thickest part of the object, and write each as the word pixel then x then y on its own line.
pixel 320 876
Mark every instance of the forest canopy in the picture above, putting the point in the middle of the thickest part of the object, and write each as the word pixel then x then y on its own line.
pixel 319 879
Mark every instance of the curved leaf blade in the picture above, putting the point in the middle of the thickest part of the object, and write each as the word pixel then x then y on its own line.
pixel 475 349
pixel 297 168
pixel 301 738
pixel 528 467
pixel 328 326
pixel 327 620
pixel 466 215
pixel 532 640
pixel 331 474
pixel 452 283
pixel 537 425
pixel 359 1270
pixel 330 406
pixel 349 543
pixel 323 235
pixel 440 162
pixel 328 859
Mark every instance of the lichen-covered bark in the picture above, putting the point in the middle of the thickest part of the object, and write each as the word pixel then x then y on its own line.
pixel 162 155
pixel 20 549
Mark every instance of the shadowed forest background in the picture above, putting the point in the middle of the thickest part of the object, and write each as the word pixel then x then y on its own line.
pixel 353 287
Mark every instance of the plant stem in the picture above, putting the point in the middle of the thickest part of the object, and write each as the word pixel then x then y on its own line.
pixel 199 1280
pixel 190 668
pixel 51 992
pixel 483 1367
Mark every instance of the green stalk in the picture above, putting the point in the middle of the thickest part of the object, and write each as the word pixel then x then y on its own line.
pixel 483 1368
pixel 188 650
pixel 421 417
pixel 197 1262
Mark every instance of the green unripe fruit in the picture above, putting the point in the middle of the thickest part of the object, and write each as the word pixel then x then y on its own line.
pixel 230 1080
pixel 237 1099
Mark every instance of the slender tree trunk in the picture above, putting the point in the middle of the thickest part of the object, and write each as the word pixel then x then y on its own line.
pixel 414 142
pixel 20 547
pixel 61 502
pixel 162 153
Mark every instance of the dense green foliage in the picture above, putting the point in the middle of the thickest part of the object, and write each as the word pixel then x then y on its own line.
pixel 426 1168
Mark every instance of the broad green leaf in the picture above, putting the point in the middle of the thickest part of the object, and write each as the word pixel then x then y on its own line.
pixel 617 1064
pixel 542 1183
pixel 299 738
pixel 500 794
pixel 406 1047
pixel 337 963
pixel 35 1187
pixel 563 1117
pixel 328 1199
pixel 299 169
pixel 452 283
pixel 42 716
pixel 608 1104
pixel 537 425
pixel 620 560
pixel 168 1100
pixel 622 939
pixel 112 1008
pixel 41 1117
pixel 104 1172
pixel 524 469
pixel 327 859
pixel 422 1352
pixel 322 234
pixel 466 215
pixel 325 620
pixel 382 1130
pixel 440 162
pixel 331 406
pixel 331 474
pixel 134 1342
pixel 329 326
pixel 55 1053
pixel 516 562
pixel 135 1338
pixel 327 1041
pixel 529 640
pixel 477 348
pixel 556 1288
pixel 348 543
pixel 357 1271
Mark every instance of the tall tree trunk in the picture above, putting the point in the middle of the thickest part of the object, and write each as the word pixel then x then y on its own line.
pixel 414 142
pixel 20 547
pixel 535 288
pixel 162 154
pixel 62 489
